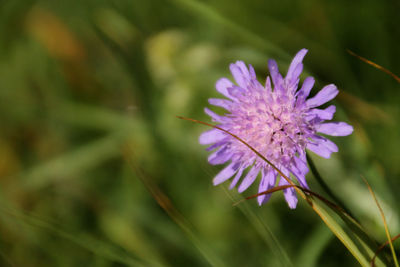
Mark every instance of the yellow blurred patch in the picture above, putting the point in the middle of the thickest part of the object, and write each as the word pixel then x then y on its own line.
pixel 50 31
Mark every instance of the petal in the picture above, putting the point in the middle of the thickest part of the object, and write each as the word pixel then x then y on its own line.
pixel 335 128
pixel 289 193
pixel 217 144
pixel 215 116
pixel 222 86
pixel 226 173
pixel 305 90
pixel 220 156
pixel 256 85
pixel 296 67
pixel 322 147
pixel 324 114
pixel 236 91
pixel 301 163
pixel 293 84
pixel 211 136
pixel 327 93
pixel 243 68
pixel 300 169
pixel 268 86
pixel 275 75
pixel 268 181
pixel 237 177
pixel 249 179
pixel 237 72
pixel 223 103
pixel 252 73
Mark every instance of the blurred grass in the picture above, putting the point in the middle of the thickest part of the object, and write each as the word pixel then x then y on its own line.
pixel 82 81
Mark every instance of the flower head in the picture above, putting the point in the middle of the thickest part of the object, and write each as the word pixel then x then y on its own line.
pixel 279 122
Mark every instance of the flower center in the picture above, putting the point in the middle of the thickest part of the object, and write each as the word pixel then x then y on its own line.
pixel 272 125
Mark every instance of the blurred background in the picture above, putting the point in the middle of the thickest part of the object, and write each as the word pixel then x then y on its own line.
pixel 96 170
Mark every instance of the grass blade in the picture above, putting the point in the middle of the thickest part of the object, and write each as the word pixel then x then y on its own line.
pixel 95 246
pixel 210 14
pixel 265 232
pixel 373 64
pixel 324 186
pixel 381 247
pixel 166 204
pixel 384 223
pixel 314 246
pixel 69 164
pixel 355 239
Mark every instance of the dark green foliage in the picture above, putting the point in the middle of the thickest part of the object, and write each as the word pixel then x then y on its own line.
pixel 89 91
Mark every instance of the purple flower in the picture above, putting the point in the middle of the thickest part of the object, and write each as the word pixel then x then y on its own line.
pixel 280 123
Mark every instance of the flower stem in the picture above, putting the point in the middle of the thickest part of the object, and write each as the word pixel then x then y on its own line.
pixel 326 188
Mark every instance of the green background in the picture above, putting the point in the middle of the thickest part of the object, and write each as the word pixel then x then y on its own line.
pixel 96 170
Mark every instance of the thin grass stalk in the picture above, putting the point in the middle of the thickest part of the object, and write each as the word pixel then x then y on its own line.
pixel 384 223
pixel 262 228
pixel 382 247
pixel 356 245
pixel 167 205
pixel 95 246
pixel 373 64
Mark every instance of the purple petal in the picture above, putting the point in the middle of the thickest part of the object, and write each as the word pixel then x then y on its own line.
pixel 268 181
pixel 296 67
pixel 252 72
pixel 211 136
pixel 223 103
pixel 215 116
pixel 324 114
pixel 220 156
pixel 236 91
pixel 238 74
pixel 237 177
pixel 218 144
pixel 268 86
pixel 290 193
pixel 275 75
pixel 327 93
pixel 256 86
pixel 222 86
pixel 226 173
pixel 300 169
pixel 249 179
pixel 243 69
pixel 335 128
pixel 305 89
pixel 293 84
pixel 301 163
pixel 322 147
